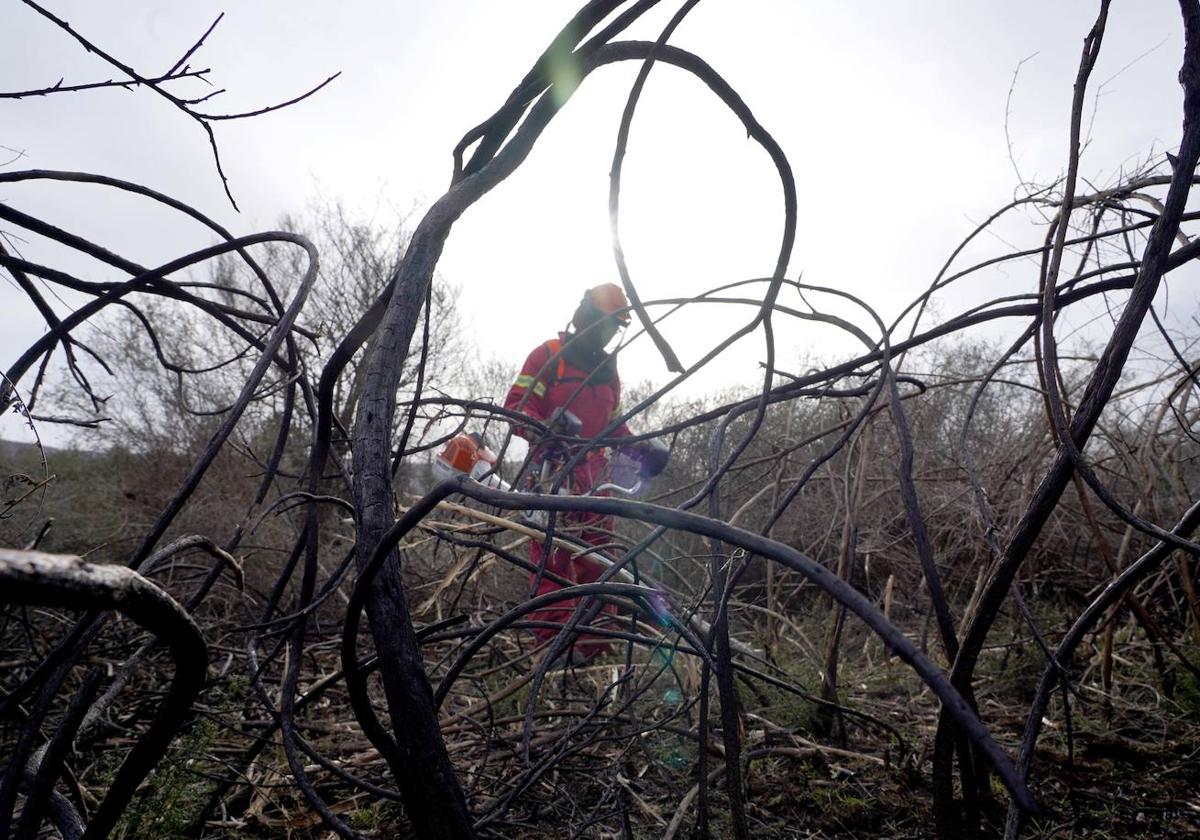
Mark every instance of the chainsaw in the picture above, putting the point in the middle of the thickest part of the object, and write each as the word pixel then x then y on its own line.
pixel 467 454
pixel 627 474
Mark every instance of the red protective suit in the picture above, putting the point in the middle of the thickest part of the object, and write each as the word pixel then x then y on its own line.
pixel 544 385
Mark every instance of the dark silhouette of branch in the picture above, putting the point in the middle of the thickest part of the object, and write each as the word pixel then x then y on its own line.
pixel 156 84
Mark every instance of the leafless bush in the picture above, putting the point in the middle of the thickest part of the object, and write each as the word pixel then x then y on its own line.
pixel 934 499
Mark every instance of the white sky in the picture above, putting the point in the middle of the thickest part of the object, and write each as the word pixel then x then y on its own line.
pixel 892 114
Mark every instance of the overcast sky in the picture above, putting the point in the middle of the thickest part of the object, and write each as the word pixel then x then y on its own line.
pixel 892 114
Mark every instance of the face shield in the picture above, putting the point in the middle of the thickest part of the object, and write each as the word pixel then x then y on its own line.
pixel 611 330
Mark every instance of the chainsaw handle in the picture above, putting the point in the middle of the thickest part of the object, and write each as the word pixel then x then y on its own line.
pixel 616 488
pixel 564 422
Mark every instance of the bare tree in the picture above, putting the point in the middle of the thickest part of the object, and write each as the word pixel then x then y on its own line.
pixel 853 510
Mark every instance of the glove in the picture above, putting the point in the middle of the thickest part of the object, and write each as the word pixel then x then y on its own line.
pixel 564 422
pixel 652 456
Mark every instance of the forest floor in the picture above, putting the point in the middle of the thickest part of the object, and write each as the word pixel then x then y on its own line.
pixel 1129 770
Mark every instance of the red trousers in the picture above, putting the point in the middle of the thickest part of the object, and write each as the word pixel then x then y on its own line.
pixel 563 562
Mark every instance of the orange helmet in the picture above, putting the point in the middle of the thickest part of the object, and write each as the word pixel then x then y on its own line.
pixel 609 299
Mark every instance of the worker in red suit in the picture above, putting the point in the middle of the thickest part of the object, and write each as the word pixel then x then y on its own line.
pixel 570 384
